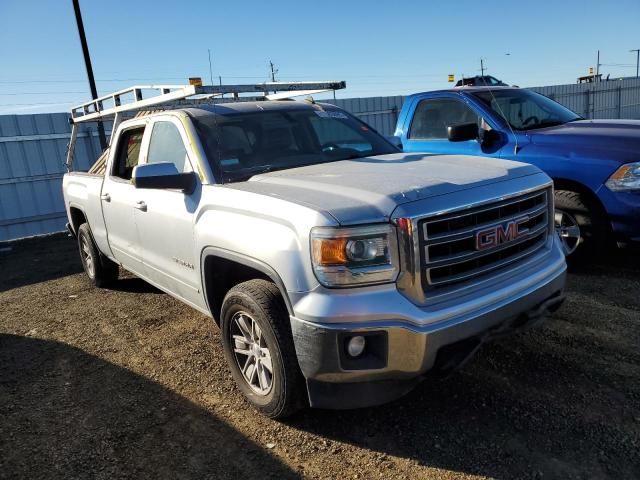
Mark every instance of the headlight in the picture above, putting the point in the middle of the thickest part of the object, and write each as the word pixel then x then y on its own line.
pixel 626 178
pixel 344 257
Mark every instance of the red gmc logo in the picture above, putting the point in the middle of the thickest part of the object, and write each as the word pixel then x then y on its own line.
pixel 499 234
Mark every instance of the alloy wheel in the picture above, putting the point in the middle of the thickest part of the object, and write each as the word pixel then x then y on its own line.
pixel 569 231
pixel 252 353
pixel 87 257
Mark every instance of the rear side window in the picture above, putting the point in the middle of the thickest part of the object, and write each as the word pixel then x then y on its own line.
pixel 432 117
pixel 128 153
pixel 166 145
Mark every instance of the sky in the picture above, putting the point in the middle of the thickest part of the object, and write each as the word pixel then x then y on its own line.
pixel 380 48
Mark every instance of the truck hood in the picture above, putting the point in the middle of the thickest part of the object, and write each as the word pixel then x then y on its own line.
pixel 619 139
pixel 369 189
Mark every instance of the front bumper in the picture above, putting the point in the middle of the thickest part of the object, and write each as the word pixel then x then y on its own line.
pixel 623 209
pixel 404 348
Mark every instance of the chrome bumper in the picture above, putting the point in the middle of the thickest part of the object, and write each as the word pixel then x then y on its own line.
pixel 406 347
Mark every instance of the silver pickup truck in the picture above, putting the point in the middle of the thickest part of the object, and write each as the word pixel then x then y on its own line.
pixel 338 269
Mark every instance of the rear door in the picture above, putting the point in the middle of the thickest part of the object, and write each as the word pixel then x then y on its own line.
pixel 165 224
pixel 427 129
pixel 118 198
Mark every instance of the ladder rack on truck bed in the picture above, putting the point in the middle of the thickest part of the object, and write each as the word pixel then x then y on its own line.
pixel 115 106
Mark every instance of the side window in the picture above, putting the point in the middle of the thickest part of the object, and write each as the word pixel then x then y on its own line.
pixel 330 132
pixel 432 117
pixel 128 153
pixel 166 146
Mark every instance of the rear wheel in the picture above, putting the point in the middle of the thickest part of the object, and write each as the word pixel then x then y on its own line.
pixel 259 348
pixel 581 226
pixel 100 270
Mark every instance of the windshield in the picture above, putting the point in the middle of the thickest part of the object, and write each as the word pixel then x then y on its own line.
pixel 526 110
pixel 240 145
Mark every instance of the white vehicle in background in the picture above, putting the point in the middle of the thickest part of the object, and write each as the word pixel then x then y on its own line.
pixel 339 269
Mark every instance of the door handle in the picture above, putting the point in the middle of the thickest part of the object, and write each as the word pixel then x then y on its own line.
pixel 106 197
pixel 142 206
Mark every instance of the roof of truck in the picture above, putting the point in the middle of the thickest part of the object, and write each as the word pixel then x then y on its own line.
pixel 231 108
pixel 466 89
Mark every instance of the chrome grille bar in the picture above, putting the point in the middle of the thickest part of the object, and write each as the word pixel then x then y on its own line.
pixel 451 251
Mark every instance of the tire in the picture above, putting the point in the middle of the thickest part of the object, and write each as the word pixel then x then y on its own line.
pixel 101 271
pixel 257 303
pixel 576 213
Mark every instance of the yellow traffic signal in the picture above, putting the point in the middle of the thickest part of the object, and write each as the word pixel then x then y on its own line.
pixel 452 78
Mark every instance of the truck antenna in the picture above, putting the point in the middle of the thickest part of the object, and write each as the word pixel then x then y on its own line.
pixel 515 147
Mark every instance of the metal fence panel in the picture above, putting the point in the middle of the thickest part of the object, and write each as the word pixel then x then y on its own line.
pixel 32 155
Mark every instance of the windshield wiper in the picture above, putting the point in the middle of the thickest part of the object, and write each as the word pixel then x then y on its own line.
pixel 355 155
pixel 543 124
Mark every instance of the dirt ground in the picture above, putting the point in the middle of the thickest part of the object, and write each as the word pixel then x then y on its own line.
pixel 130 383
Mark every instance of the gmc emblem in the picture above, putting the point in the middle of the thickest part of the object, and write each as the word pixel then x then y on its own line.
pixel 499 234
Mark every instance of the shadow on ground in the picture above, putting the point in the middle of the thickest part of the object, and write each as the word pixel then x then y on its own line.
pixel 67 414
pixel 29 261
pixel 131 284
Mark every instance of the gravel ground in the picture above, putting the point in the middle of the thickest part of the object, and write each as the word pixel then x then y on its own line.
pixel 130 383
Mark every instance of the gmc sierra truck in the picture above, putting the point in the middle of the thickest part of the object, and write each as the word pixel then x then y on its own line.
pixel 339 269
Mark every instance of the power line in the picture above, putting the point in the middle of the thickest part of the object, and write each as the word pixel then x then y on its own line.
pixel 32 104
pixel 43 93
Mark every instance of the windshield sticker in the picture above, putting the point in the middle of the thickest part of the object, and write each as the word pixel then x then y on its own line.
pixel 227 162
pixel 332 114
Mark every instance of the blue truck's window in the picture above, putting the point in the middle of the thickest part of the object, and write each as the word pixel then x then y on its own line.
pixel 526 110
pixel 128 153
pixel 432 117
pixel 166 146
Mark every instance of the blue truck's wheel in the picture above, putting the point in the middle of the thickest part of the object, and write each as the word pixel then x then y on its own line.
pixel 581 226
pixel 258 346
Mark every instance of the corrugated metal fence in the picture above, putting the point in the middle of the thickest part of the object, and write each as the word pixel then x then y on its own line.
pixel 606 99
pixel 33 148
pixel 32 155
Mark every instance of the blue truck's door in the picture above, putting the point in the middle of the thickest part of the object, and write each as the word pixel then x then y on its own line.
pixel 425 128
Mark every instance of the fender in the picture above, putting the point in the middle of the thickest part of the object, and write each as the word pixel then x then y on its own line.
pixel 243 260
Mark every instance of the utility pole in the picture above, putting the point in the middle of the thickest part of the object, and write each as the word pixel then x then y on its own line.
pixel 598 65
pixel 210 67
pixel 87 64
pixel 482 67
pixel 637 50
pixel 273 72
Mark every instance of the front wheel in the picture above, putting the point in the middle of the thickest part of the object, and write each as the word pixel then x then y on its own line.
pixel 581 226
pixel 259 348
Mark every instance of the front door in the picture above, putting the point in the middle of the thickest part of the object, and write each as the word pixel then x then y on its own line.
pixel 428 130
pixel 118 198
pixel 165 224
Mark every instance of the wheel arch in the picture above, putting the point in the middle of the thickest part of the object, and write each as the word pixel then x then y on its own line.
pixel 77 217
pixel 574 186
pixel 222 269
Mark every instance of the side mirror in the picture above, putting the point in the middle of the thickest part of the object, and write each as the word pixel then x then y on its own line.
pixel 394 140
pixel 463 132
pixel 163 175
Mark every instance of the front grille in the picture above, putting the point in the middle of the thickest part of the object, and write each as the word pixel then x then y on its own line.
pixel 456 247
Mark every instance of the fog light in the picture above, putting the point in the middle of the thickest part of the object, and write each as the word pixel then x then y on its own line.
pixel 355 346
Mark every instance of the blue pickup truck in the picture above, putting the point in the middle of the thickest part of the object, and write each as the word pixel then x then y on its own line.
pixel 595 164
